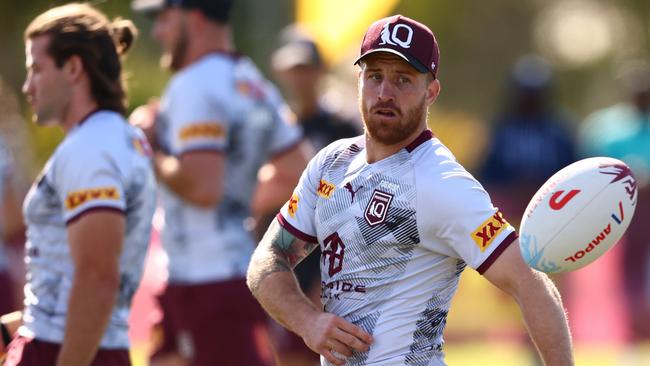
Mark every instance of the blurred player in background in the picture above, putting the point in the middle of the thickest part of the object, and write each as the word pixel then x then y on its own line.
pixel 622 131
pixel 395 244
pixel 88 213
pixel 218 121
pixel 300 71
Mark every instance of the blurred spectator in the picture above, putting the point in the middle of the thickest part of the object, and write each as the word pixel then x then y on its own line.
pixel 623 131
pixel 300 70
pixel 531 139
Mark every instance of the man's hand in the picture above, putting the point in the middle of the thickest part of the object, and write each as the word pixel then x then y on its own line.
pixel 333 336
pixel 144 117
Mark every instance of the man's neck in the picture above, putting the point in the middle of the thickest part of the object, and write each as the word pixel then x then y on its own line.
pixel 212 42
pixel 376 151
pixel 77 112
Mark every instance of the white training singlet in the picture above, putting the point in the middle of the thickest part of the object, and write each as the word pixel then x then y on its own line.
pixel 103 163
pixel 220 103
pixel 395 236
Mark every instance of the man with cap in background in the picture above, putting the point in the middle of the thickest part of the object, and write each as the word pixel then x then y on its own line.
pixel 300 70
pixel 395 245
pixel 216 123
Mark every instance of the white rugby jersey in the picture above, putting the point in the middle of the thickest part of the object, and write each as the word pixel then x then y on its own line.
pixel 220 103
pixel 395 236
pixel 6 166
pixel 103 163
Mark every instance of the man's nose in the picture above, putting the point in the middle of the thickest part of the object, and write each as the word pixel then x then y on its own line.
pixel 385 91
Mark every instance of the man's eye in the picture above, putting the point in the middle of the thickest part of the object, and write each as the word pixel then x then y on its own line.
pixel 404 80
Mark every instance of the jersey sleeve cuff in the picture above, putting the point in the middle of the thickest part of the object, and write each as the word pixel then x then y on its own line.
pixel 80 214
pixel 505 243
pixel 285 149
pixel 295 232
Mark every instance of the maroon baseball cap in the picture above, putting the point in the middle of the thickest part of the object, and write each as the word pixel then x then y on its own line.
pixel 404 37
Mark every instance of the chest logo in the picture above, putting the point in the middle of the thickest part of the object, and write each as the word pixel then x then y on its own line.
pixel 334 252
pixel 377 208
pixel 325 188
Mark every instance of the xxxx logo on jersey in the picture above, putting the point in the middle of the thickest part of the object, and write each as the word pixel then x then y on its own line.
pixel 292 207
pixel 325 188
pixel 210 130
pixel 78 198
pixel 490 229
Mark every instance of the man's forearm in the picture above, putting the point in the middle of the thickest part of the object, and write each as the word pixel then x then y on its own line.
pixel 272 281
pixel 282 298
pixel 546 321
pixel 89 309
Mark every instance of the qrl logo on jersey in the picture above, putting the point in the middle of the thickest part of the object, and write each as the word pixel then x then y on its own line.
pixel 334 251
pixel 325 188
pixel 378 207
pixel 394 37
pixel 485 234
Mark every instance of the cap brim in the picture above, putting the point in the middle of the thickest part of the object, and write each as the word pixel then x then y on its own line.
pixel 148 6
pixel 411 60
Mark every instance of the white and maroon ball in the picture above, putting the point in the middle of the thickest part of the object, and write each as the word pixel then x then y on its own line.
pixel 578 214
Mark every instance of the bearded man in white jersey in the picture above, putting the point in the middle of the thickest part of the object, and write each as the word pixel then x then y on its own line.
pixel 395 244
pixel 217 122
pixel 88 213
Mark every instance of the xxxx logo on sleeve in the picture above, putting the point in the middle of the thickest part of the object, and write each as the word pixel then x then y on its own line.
pixel 325 188
pixel 490 229
pixel 210 130
pixel 292 207
pixel 78 198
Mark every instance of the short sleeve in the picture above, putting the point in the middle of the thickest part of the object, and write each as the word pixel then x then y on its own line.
pixel 298 215
pixel 88 179
pixel 193 121
pixel 464 222
pixel 287 132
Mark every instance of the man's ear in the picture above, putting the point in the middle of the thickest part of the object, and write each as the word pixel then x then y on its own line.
pixel 433 90
pixel 74 68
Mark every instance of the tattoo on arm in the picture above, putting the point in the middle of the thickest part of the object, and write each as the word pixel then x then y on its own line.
pixel 278 251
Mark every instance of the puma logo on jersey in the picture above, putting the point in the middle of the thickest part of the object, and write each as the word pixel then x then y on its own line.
pixel 325 188
pixel 348 186
pixel 78 198
pixel 490 229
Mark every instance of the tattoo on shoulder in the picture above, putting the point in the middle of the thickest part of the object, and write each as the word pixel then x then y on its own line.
pixel 278 251
pixel 286 245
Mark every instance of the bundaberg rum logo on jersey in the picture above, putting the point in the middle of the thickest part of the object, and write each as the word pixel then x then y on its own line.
pixel 325 188
pixel 484 235
pixel 292 207
pixel 377 207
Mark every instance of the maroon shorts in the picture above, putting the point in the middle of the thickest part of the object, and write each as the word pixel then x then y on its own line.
pixel 212 324
pixel 6 293
pixel 32 352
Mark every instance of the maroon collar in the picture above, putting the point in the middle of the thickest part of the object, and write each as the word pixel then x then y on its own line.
pixel 425 136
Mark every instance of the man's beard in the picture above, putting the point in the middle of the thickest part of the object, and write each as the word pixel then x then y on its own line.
pixel 173 59
pixel 388 133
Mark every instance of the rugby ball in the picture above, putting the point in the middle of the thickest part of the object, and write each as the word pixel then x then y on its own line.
pixel 578 214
